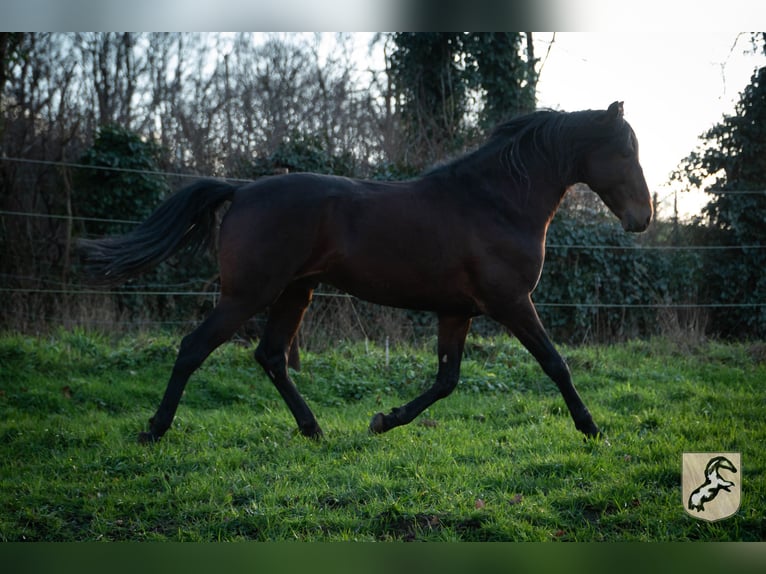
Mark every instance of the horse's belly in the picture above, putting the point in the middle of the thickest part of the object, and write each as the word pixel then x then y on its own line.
pixel 407 292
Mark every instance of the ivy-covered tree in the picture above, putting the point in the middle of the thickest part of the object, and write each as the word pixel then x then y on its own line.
pixel 120 185
pixel 448 84
pixel 731 165
pixel 427 71
pixel 10 51
pixel 124 185
pixel 506 75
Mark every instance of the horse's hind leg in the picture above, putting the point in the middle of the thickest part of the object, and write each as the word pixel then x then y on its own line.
pixel 452 334
pixel 282 325
pixel 195 348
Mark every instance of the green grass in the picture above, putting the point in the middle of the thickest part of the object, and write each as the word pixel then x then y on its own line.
pixel 498 460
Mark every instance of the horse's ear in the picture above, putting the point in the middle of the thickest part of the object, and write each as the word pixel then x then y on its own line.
pixel 615 111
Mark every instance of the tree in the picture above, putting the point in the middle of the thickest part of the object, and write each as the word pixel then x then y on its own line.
pixel 449 84
pixel 296 153
pixel 126 189
pixel 115 64
pixel 10 52
pixel 731 164
pixel 508 81
pixel 428 74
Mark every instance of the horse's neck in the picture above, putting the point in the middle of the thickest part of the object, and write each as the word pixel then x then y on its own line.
pixel 539 196
pixel 531 199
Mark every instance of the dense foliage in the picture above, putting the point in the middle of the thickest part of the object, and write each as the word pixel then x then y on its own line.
pixel 128 189
pixel 442 78
pixel 731 166
pixel 112 200
pixel 297 153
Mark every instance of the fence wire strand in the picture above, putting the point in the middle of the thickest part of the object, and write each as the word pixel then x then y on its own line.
pixel 57 287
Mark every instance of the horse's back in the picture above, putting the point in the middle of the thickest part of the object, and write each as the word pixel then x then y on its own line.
pixel 391 243
pixel 289 225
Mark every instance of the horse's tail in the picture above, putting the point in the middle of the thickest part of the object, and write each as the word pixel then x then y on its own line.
pixel 186 218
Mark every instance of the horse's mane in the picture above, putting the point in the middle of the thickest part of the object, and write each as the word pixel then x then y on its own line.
pixel 543 135
pixel 547 135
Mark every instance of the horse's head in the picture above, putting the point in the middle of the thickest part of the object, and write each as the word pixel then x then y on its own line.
pixel 611 169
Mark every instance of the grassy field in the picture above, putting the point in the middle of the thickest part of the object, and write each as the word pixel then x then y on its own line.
pixel 499 460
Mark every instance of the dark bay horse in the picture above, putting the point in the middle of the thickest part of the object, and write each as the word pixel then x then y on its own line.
pixel 465 239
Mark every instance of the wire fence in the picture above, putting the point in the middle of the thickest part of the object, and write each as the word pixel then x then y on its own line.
pixel 547 245
pixel 52 285
pixel 184 289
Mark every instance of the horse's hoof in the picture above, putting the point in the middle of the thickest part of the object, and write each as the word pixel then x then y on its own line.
pixel 147 438
pixel 377 425
pixel 315 433
pixel 598 438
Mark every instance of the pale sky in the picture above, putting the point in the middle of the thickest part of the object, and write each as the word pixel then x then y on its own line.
pixel 675 86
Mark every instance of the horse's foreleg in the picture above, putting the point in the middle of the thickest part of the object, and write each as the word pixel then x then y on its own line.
pixel 195 348
pixel 522 320
pixel 452 334
pixel 282 325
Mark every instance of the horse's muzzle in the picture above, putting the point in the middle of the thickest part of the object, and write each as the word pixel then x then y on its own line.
pixel 636 223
